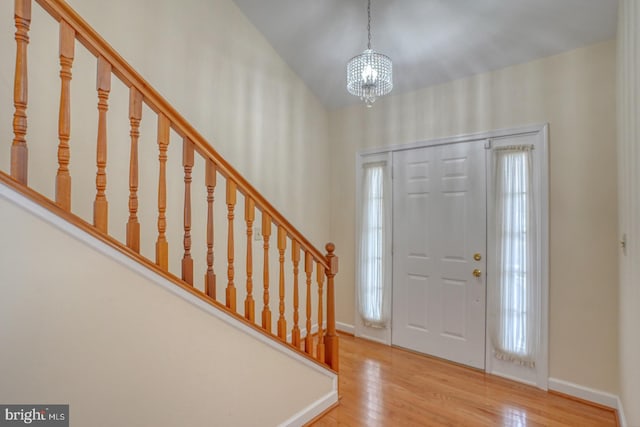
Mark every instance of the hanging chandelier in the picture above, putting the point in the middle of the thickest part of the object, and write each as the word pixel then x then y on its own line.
pixel 369 74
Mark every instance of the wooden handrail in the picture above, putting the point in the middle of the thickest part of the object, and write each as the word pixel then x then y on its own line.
pixel 91 40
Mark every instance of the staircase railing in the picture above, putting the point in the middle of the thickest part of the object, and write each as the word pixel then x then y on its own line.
pixel 321 346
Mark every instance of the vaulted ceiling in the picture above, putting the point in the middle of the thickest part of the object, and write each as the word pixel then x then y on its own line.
pixel 429 41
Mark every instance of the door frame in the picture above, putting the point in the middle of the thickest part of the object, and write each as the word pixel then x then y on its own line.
pixel 541 165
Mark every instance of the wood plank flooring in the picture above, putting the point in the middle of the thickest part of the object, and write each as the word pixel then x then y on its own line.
pixel 386 386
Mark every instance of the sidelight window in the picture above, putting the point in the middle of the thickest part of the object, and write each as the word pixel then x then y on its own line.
pixel 515 330
pixel 373 235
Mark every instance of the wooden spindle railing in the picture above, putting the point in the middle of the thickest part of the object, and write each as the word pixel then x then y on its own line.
pixel 19 151
pixel 210 277
pixel 162 246
pixel 231 288
pixel 320 272
pixel 63 178
pixel 249 216
pixel 100 205
pixel 321 346
pixel 282 245
pixel 295 257
pixel 308 269
pixel 266 233
pixel 187 163
pixel 135 116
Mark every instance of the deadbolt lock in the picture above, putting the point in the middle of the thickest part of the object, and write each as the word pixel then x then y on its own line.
pixel 477 272
pixel 477 257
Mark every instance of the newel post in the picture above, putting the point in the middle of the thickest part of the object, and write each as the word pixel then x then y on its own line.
pixel 331 339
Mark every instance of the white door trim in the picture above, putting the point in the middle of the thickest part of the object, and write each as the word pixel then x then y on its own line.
pixel 543 169
pixel 524 130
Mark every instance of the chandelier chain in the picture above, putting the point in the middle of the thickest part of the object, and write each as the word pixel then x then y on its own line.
pixel 369 23
pixel 370 74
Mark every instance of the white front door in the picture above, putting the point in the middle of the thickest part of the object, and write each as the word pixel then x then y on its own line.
pixel 439 239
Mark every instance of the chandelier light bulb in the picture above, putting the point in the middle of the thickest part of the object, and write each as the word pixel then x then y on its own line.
pixel 369 75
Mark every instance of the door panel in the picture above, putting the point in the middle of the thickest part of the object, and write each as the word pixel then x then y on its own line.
pixel 439 224
pixel 418 311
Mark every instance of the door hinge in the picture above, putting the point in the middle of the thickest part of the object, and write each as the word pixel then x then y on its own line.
pixel 487 144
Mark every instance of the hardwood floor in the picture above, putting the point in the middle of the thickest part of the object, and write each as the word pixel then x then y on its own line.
pixel 386 386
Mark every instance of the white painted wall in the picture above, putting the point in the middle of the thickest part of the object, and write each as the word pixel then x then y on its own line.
pixel 89 330
pixel 629 204
pixel 575 93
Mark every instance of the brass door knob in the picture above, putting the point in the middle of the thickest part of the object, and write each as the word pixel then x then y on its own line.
pixel 477 273
pixel 477 257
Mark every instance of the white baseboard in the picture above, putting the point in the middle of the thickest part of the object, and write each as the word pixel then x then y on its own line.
pixel 621 418
pixel 345 327
pixel 374 339
pixel 312 411
pixel 516 379
pixel 585 393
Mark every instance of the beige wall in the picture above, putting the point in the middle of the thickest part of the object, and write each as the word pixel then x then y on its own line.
pixel 81 328
pixel 575 93
pixel 221 74
pixel 629 181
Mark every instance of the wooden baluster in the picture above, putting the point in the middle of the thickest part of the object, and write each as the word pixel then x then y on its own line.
pixel 308 268
pixel 320 356
pixel 100 205
pixel 295 257
pixel 187 163
pixel 266 233
pixel 19 151
pixel 63 178
pixel 331 339
pixel 135 115
pixel 162 246
pixel 210 182
pixel 282 245
pixel 249 216
pixel 231 203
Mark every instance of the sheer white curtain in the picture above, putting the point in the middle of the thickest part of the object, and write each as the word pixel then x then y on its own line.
pixel 515 330
pixel 372 259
